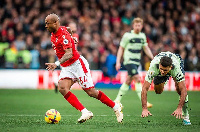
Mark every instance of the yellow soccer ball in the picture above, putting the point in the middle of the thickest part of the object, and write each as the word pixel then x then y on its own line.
pixel 52 116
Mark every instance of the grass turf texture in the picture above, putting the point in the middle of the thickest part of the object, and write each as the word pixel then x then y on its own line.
pixel 24 110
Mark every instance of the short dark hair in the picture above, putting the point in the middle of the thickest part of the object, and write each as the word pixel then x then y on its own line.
pixel 166 61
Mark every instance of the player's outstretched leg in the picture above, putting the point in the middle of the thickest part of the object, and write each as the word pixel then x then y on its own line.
pixel 73 100
pixel 86 115
pixel 186 120
pixel 122 91
pixel 118 112
pixel 117 107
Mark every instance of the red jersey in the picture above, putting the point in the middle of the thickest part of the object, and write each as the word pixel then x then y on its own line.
pixel 62 40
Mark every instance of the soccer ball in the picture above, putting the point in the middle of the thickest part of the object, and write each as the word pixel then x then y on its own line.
pixel 52 116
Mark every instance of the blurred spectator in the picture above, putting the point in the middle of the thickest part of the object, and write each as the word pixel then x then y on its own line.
pixel 43 58
pixel 193 62
pixel 35 60
pixel 168 24
pixel 19 42
pixel 23 58
pixel 10 57
pixel 3 47
pixel 110 62
pixel 127 18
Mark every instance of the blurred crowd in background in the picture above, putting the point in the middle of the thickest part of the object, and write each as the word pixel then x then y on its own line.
pixel 170 25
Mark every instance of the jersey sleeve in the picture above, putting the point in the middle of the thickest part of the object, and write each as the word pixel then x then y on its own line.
pixel 150 74
pixel 124 41
pixel 177 74
pixel 66 41
pixel 153 70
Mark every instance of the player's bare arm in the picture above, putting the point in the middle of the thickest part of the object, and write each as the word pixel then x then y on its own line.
pixel 148 52
pixel 145 89
pixel 68 55
pixel 119 56
pixel 181 89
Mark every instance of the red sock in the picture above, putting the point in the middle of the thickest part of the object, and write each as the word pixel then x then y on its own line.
pixel 73 100
pixel 104 99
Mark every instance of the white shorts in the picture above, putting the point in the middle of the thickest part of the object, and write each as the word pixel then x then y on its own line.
pixel 78 71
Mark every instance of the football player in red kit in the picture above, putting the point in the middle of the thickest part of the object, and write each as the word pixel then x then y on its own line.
pixel 74 67
pixel 72 29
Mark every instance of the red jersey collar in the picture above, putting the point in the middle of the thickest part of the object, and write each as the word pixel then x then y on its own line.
pixel 58 32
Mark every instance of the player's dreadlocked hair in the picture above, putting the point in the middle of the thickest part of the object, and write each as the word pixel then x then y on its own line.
pixel 166 61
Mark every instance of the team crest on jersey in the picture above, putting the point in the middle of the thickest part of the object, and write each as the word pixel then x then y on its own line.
pixel 150 75
pixel 65 41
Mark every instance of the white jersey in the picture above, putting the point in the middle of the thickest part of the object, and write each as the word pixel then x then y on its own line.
pixel 175 72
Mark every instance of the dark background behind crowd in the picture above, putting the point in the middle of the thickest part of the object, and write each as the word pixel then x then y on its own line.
pixel 170 25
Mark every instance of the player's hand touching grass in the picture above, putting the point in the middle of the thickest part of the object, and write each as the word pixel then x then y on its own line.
pixel 51 66
pixel 145 113
pixel 178 113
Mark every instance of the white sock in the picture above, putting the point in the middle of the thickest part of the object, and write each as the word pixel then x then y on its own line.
pixel 84 110
pixel 186 117
pixel 116 106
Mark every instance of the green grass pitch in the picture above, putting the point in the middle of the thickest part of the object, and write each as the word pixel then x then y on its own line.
pixel 24 110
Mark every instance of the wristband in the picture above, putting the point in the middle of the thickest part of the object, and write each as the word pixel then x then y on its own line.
pixel 57 63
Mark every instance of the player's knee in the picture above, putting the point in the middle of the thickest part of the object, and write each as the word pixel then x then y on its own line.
pixel 158 89
pixel 128 81
pixel 136 78
pixel 63 90
pixel 92 93
pixel 61 86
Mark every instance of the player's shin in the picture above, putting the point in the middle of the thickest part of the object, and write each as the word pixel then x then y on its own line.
pixel 122 91
pixel 186 120
pixel 105 99
pixel 117 107
pixel 138 89
pixel 73 100
pixel 185 107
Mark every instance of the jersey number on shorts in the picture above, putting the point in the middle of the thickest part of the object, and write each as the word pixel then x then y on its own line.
pixel 83 79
